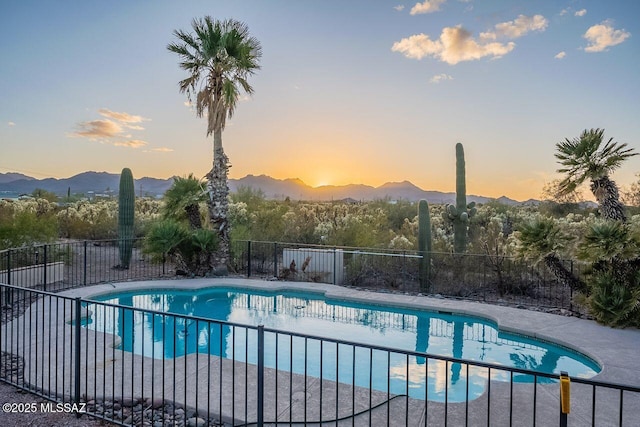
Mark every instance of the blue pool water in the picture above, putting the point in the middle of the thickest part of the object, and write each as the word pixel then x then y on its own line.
pixel 461 337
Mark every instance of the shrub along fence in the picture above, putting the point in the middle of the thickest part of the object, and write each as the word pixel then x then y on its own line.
pixel 144 366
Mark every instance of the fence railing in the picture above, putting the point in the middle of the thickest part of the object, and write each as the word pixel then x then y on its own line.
pixel 139 366
pixel 65 265
pixel 470 276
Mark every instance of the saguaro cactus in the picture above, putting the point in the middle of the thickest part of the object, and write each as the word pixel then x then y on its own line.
pixel 126 209
pixel 460 213
pixel 424 244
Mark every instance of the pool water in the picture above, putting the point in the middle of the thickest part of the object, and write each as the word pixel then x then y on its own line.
pixel 444 334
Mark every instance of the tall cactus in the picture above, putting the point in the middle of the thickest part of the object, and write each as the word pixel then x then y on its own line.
pixel 424 244
pixel 460 213
pixel 126 209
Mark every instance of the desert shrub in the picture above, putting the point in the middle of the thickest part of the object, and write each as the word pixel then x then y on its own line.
pixel 190 250
pixel 615 294
pixel 20 226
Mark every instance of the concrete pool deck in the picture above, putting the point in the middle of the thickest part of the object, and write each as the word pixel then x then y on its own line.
pixel 617 351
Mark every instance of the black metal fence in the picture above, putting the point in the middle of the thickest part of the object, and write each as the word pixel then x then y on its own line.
pixel 470 276
pixel 146 366
pixel 65 265
pixel 487 278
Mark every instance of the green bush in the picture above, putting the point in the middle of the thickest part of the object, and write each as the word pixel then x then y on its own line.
pixel 615 294
pixel 25 228
pixel 190 250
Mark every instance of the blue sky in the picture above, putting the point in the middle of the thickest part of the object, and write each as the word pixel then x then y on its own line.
pixel 349 91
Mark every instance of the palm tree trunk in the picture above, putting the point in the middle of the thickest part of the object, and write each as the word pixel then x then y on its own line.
pixel 564 276
pixel 218 203
pixel 193 213
pixel 606 193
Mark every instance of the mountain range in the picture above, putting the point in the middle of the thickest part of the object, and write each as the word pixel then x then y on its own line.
pixel 295 189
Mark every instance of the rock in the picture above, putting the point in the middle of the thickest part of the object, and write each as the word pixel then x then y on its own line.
pixel 196 422
pixel 128 401
pixel 157 403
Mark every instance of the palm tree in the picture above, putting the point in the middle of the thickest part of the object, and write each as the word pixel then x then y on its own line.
pixel 587 158
pixel 183 199
pixel 542 240
pixel 220 56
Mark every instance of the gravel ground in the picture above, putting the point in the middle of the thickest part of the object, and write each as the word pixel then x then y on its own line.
pixel 12 395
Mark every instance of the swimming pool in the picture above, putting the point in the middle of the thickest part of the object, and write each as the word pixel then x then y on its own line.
pixel 445 334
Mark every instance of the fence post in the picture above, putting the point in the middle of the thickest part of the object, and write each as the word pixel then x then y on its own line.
pixel 334 265
pixel 405 274
pixel 76 363
pixel 8 292
pixel 9 267
pixel 565 398
pixel 571 290
pixel 248 258
pixel 84 263
pixel 44 265
pixel 275 259
pixel 261 375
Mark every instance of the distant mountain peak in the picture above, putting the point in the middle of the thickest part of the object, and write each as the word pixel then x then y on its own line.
pixel 293 188
pixel 13 176
pixel 296 180
pixel 401 184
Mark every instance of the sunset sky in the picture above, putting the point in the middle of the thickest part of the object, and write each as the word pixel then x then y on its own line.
pixel 358 91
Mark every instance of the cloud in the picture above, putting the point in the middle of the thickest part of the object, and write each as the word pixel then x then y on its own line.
pixel 160 150
pixel 428 6
pixel 454 45
pixel 517 28
pixel 125 119
pixel 98 129
pixel 602 36
pixel 113 130
pixel 121 117
pixel 132 143
pixel 11 124
pixel 580 12
pixel 560 55
pixel 439 77
pixel 399 7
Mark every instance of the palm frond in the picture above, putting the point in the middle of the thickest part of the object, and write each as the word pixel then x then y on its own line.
pixel 586 157
pixel 218 55
pixel 540 238
pixel 605 240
